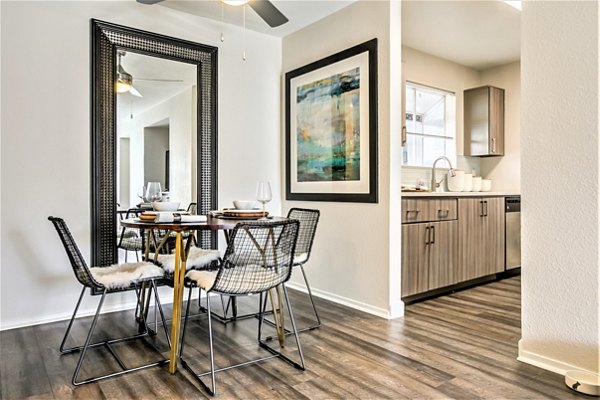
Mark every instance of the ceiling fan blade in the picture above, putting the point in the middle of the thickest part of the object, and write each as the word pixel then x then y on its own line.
pixel 149 1
pixel 267 11
pixel 135 92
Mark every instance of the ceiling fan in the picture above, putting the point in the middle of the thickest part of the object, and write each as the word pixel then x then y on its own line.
pixel 264 8
pixel 124 82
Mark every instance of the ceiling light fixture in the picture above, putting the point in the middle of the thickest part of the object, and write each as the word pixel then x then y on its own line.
pixel 514 4
pixel 124 80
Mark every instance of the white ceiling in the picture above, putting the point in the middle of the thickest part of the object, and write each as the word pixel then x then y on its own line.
pixel 476 34
pixel 300 13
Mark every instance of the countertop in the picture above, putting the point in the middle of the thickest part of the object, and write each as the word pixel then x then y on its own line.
pixel 459 194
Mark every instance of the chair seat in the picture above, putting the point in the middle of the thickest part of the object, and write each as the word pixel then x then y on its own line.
pixel 197 258
pixel 300 258
pixel 121 276
pixel 203 279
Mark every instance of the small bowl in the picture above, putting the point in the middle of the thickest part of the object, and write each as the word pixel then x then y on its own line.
pixel 245 204
pixel 165 205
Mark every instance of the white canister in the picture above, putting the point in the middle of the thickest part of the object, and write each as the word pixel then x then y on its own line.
pixel 476 184
pixel 468 185
pixel 486 185
pixel 456 183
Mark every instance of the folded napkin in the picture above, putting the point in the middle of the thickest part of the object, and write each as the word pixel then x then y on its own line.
pixel 165 217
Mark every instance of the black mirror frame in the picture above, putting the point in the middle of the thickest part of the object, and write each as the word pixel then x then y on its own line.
pixel 106 39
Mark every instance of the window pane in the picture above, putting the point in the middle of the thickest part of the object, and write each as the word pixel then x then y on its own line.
pixel 433 121
pixel 410 99
pixel 433 148
pixel 413 151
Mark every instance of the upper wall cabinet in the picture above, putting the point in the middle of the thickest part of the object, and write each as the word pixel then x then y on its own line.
pixel 484 121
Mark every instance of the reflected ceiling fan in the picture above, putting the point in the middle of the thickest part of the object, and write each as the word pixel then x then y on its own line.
pixel 125 79
pixel 264 8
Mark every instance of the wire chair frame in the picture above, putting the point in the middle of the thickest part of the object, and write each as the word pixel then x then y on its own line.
pixel 258 258
pixel 131 239
pixel 85 277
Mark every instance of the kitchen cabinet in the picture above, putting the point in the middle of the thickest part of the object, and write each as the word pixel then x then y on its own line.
pixel 484 121
pixel 481 241
pixel 429 244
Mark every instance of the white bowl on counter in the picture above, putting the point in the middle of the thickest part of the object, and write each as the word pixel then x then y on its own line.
pixel 468 185
pixel 456 183
pixel 486 185
pixel 165 205
pixel 476 184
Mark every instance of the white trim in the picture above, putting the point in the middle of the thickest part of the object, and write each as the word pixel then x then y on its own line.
pixel 106 309
pixel 544 362
pixel 345 301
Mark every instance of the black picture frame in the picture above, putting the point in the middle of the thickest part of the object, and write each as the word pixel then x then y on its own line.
pixel 333 72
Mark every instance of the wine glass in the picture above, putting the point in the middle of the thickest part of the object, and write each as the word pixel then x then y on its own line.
pixel 263 195
pixel 141 193
pixel 154 192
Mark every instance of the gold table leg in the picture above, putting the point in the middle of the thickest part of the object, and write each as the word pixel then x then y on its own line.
pixel 178 278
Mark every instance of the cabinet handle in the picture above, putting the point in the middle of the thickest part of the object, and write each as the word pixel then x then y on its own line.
pixel 481 208
pixel 433 234
pixel 408 212
pixel 403 136
pixel 427 234
pixel 493 145
pixel 486 208
pixel 443 213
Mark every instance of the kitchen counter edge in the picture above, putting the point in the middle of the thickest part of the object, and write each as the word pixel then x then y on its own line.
pixel 459 194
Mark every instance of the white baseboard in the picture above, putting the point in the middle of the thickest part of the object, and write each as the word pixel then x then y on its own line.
pixel 345 301
pixel 546 363
pixel 109 308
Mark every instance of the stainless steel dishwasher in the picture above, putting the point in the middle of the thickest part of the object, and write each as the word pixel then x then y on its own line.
pixel 513 232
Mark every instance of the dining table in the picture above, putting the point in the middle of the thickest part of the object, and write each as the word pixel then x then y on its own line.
pixel 181 252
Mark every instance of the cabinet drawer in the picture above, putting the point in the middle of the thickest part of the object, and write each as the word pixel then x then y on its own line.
pixel 415 210
pixel 442 210
pixel 428 210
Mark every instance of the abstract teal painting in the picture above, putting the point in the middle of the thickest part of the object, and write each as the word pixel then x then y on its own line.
pixel 328 128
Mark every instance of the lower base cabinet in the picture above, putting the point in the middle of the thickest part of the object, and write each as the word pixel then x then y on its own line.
pixel 441 253
pixel 429 256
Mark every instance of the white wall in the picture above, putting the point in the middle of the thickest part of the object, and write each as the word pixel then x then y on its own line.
pixel 46 136
pixel 355 255
pixel 505 171
pixel 156 143
pixel 560 179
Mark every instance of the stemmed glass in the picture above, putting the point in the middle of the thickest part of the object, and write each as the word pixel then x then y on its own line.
pixel 263 195
pixel 141 193
pixel 154 192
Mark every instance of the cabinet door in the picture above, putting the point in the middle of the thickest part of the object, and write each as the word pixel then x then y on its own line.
pixel 492 233
pixel 414 258
pixel 443 249
pixel 471 262
pixel 496 144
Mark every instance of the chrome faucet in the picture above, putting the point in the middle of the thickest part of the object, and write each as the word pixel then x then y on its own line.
pixel 434 183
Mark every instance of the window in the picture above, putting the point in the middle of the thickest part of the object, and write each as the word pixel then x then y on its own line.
pixel 430 125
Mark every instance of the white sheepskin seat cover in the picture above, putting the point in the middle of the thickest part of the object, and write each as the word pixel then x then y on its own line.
pixel 300 258
pixel 203 279
pixel 197 258
pixel 123 275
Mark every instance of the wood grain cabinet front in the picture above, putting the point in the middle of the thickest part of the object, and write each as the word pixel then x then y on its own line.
pixel 429 256
pixel 481 237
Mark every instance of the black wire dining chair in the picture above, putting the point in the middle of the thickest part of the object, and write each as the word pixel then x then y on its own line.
pixel 258 258
pixel 106 280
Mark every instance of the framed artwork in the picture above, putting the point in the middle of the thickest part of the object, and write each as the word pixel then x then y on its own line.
pixel 331 128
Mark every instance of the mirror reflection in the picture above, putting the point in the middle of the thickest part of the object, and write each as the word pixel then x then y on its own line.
pixel 156 126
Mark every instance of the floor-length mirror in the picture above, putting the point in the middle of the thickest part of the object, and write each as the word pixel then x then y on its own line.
pixel 154 119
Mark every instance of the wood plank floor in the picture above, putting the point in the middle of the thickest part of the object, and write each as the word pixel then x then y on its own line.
pixel 462 346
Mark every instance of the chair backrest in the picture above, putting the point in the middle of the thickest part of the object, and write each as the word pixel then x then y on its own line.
pixel 258 257
pixel 80 268
pixel 308 226
pixel 193 208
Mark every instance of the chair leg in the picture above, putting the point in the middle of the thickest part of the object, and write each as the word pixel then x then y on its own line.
pixel 87 341
pixel 162 314
pixel 318 325
pixel 62 344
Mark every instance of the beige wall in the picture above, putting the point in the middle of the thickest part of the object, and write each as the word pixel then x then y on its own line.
pixel 45 127
pixel 505 172
pixel 560 179
pixel 356 257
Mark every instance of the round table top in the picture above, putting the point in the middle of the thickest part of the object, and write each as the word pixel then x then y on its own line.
pixel 212 223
